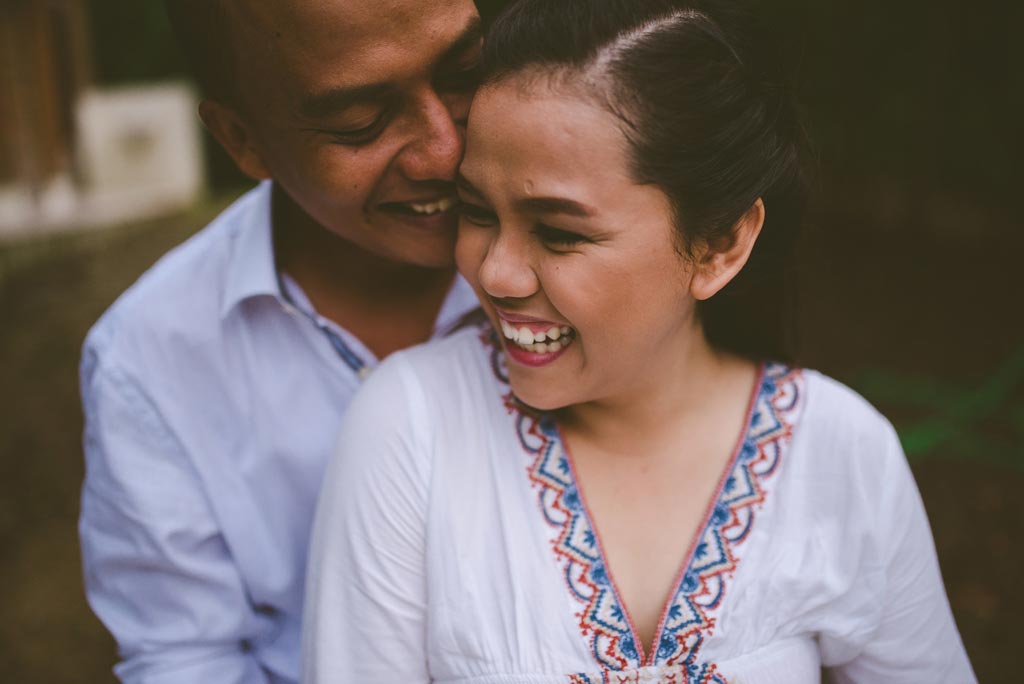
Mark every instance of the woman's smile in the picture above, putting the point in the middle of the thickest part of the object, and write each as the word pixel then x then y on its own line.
pixel 532 341
pixel 579 270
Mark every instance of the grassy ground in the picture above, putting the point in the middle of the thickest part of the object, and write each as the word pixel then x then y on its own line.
pixel 929 329
pixel 51 291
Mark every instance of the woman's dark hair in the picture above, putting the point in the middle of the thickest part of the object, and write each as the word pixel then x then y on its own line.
pixel 707 120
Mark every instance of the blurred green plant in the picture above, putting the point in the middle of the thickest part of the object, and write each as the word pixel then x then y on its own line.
pixel 982 423
pixel 133 42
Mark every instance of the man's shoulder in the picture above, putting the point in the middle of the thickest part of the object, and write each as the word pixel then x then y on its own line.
pixel 182 294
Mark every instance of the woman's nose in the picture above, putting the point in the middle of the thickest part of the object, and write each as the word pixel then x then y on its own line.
pixel 507 271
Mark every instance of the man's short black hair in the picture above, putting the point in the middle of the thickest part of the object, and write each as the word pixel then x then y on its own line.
pixel 202 27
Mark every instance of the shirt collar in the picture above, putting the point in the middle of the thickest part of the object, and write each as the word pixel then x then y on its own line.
pixel 251 270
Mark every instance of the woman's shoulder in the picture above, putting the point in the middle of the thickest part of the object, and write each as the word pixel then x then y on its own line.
pixel 451 349
pixel 431 377
pixel 842 432
pixel 411 400
pixel 445 364
pixel 837 406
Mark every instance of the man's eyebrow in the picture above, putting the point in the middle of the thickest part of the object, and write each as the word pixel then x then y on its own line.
pixel 325 103
pixel 470 36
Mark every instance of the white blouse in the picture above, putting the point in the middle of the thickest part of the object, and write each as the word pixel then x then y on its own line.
pixel 453 544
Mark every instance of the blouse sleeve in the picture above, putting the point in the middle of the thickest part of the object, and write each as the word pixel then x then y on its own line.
pixel 914 638
pixel 365 615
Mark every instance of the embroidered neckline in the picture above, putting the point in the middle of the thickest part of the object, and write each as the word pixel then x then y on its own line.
pixel 689 616
pixel 675 674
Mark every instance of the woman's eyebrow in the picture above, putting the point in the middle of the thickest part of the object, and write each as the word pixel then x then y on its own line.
pixel 538 205
pixel 555 205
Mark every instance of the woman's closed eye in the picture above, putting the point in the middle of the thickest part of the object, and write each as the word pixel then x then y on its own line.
pixel 558 237
pixel 476 215
pixel 552 237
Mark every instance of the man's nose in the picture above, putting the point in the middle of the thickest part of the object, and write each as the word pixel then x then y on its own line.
pixel 438 145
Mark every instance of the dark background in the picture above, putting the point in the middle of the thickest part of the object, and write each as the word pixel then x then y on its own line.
pixel 909 279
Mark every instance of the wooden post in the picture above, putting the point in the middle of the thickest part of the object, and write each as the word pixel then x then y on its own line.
pixel 44 66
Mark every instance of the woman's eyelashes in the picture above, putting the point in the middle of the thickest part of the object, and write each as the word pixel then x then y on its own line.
pixel 557 237
pixel 549 235
pixel 475 214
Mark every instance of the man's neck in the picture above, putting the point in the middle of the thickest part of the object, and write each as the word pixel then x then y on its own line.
pixel 387 305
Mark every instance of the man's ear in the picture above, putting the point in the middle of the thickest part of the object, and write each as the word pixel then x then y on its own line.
pixel 234 136
pixel 719 263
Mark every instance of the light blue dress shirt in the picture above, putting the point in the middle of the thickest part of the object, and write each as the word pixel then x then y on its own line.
pixel 212 404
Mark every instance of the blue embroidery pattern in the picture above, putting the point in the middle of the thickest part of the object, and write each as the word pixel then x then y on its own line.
pixel 689 617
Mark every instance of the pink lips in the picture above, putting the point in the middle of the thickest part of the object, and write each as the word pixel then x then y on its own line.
pixel 534 324
pixel 520 355
pixel 531 359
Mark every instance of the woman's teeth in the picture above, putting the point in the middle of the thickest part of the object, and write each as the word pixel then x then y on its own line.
pixel 547 341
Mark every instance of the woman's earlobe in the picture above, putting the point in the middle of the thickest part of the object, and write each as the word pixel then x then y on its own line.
pixel 718 265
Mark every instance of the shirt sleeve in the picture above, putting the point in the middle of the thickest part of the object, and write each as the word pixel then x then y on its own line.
pixel 914 638
pixel 366 599
pixel 157 570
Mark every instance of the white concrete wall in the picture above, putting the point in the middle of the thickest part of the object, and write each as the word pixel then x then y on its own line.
pixel 139 154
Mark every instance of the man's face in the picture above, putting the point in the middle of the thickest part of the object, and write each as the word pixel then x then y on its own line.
pixel 357 109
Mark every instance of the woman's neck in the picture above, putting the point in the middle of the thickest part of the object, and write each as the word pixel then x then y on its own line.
pixel 670 393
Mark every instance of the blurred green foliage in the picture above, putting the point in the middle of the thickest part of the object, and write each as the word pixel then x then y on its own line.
pixel 133 42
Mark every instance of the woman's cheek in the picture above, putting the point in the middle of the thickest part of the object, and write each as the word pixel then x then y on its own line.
pixel 470 247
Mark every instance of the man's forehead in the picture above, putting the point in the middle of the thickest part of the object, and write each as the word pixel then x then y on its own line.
pixel 303 47
pixel 356 24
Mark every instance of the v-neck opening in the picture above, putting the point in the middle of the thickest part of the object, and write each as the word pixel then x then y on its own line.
pixel 647 658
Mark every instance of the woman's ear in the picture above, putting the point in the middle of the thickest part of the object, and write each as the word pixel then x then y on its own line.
pixel 234 136
pixel 717 264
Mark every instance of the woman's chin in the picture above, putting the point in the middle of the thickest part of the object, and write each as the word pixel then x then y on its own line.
pixel 541 397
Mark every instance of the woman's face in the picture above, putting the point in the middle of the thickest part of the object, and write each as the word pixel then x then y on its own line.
pixel 575 264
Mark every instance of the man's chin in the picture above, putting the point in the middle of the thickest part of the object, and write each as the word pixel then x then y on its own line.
pixel 428 242
pixel 437 253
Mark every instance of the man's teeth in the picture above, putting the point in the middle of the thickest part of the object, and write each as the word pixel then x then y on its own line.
pixel 433 207
pixel 553 339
